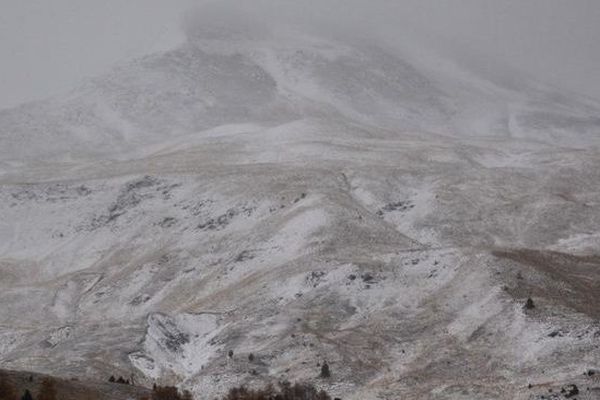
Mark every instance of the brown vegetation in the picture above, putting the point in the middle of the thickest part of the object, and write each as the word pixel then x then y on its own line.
pixel 7 390
pixel 169 393
pixel 560 279
pixel 24 386
pixel 286 391
pixel 47 390
pixel 31 386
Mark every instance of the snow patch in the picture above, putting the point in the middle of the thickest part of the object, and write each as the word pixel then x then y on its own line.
pixel 180 344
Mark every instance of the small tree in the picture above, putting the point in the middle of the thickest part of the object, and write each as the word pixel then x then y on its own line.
pixel 529 305
pixel 112 379
pixel 325 372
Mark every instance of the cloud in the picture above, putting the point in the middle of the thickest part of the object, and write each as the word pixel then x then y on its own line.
pixel 224 20
pixel 47 48
pixel 552 40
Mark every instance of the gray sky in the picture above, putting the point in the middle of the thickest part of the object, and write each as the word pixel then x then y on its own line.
pixel 48 47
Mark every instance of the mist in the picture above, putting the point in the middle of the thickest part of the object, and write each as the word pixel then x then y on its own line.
pixel 48 48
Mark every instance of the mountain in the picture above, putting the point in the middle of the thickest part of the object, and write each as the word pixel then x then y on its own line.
pixel 210 83
pixel 303 200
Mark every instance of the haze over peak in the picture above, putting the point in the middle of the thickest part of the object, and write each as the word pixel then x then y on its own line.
pixel 233 71
pixel 48 48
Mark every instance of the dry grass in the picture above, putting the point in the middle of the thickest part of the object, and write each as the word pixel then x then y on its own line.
pixel 14 384
pixel 568 280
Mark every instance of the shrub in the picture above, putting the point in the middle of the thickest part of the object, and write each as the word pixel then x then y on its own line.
pixel 286 391
pixel 170 393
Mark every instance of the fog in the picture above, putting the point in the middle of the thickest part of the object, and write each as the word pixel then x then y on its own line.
pixel 49 47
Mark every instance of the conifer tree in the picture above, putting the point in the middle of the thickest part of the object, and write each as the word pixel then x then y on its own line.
pixel 325 372
pixel 26 395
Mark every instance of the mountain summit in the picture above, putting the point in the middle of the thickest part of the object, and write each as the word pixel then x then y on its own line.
pixel 217 79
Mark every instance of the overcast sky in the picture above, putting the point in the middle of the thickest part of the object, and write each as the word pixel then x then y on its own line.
pixel 49 46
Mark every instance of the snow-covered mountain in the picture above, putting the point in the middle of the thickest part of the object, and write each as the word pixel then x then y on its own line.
pixel 303 199
pixel 209 83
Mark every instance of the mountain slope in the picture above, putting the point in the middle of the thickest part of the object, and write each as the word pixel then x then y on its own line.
pixel 208 83
pixel 302 200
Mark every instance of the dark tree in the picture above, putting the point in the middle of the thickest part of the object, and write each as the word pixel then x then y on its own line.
pixel 325 372
pixel 112 379
pixel 26 395
pixel 529 304
pixel 572 390
pixel 251 357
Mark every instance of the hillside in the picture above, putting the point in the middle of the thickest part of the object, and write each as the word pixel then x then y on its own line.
pixel 302 200
pixel 70 389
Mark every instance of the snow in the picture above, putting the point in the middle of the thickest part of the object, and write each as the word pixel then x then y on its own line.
pixel 182 345
pixel 299 199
